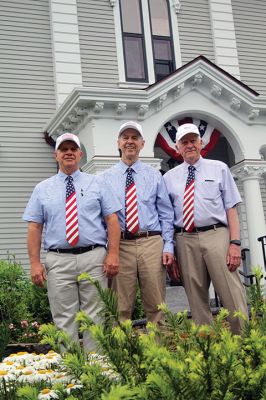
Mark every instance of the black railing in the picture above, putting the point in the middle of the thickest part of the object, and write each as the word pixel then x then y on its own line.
pixel 262 240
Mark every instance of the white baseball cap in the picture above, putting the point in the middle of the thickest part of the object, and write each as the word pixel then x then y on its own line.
pixel 65 137
pixel 185 129
pixel 130 125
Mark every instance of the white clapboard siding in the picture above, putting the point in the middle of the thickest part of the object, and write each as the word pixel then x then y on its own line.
pixel 97 43
pixel 27 102
pixel 195 30
pixel 250 29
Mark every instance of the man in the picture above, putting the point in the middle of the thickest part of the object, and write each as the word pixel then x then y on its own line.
pixel 71 206
pixel 204 197
pixel 146 221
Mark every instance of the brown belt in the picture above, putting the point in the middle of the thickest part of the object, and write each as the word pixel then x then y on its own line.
pixel 138 235
pixel 200 228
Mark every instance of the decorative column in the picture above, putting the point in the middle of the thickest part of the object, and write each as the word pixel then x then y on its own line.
pixel 250 174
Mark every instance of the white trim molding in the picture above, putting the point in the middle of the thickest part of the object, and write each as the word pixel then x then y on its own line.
pixel 176 4
pixel 66 48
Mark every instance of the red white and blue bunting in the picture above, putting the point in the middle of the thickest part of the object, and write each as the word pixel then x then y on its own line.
pixel 167 136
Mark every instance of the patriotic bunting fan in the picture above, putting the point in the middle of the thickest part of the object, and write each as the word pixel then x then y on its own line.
pixel 167 135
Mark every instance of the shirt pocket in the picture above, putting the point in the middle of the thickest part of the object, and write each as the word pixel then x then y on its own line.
pixel 52 203
pixel 90 202
pixel 211 190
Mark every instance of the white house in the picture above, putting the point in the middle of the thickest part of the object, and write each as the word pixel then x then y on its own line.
pixel 86 66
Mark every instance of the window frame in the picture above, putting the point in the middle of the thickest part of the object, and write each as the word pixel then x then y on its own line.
pixel 164 38
pixel 134 35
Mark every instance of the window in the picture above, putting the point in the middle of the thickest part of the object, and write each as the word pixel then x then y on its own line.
pixel 161 38
pixel 133 40
pixel 158 35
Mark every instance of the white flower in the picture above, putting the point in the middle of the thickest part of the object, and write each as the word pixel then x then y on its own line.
pixel 61 377
pixel 6 375
pixel 22 357
pixel 72 386
pixel 47 394
pixel 27 375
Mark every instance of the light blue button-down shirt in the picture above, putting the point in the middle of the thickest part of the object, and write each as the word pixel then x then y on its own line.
pixel 95 200
pixel 155 211
pixel 215 191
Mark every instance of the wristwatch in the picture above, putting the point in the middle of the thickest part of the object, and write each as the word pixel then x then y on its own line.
pixel 236 242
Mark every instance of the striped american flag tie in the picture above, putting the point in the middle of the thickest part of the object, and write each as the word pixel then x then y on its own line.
pixel 72 230
pixel 132 220
pixel 188 205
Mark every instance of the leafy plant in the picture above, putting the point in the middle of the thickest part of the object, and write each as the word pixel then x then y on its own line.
pixel 23 306
pixel 138 312
pixel 4 338
pixel 180 360
pixel 39 305
pixel 14 292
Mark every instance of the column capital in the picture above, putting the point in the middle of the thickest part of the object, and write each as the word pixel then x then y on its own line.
pixel 249 170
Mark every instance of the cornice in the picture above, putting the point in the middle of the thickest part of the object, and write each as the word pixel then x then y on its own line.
pixel 249 170
pixel 117 103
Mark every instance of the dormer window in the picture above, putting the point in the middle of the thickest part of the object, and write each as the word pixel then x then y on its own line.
pixel 163 56
pixel 146 21
pixel 133 40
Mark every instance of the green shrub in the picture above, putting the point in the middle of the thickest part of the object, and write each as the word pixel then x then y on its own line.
pixel 23 306
pixel 15 287
pixel 180 361
pixel 4 338
pixel 138 312
pixel 39 305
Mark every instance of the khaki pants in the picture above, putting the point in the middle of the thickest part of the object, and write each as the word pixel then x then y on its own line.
pixel 67 296
pixel 140 260
pixel 202 258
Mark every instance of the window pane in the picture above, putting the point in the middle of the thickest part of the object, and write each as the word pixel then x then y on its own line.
pixel 134 58
pixel 162 49
pixel 130 12
pixel 159 18
pixel 162 70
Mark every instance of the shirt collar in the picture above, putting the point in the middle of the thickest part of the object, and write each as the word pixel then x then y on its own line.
pixel 136 166
pixel 197 164
pixel 62 176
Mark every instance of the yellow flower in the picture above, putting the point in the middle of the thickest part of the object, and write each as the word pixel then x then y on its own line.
pixel 2 373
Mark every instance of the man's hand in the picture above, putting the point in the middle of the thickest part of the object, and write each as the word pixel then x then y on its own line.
pixel 111 265
pixel 38 274
pixel 233 257
pixel 168 259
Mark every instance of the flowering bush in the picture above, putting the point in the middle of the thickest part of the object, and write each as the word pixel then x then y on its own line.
pixel 24 332
pixel 42 376
pixel 23 306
